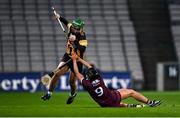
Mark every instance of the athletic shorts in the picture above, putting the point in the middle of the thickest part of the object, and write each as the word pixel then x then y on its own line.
pixel 116 98
pixel 70 64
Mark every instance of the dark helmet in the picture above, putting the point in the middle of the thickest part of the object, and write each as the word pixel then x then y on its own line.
pixel 91 74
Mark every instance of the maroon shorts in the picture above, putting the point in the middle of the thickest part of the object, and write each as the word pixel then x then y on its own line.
pixel 116 98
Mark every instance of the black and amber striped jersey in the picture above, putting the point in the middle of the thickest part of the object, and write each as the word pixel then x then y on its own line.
pixel 80 43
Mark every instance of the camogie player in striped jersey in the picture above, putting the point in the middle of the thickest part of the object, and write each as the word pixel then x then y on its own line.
pixel 76 41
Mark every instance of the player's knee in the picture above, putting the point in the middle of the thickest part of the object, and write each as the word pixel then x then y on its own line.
pixel 131 91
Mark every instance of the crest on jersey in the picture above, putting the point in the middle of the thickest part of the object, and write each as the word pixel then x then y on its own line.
pixel 95 82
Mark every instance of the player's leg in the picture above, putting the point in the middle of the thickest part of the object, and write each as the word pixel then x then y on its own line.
pixel 125 93
pixel 47 78
pixel 56 76
pixel 53 81
pixel 123 104
pixel 72 82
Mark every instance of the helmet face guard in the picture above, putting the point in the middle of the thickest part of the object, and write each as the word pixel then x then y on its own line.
pixel 78 24
pixel 91 74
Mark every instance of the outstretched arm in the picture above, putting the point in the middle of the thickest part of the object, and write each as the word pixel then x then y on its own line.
pixel 84 62
pixel 62 19
pixel 76 70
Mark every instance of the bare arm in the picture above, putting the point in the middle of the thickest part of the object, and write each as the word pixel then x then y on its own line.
pixel 79 76
pixel 84 62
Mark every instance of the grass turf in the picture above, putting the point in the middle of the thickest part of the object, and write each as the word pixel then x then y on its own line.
pixel 30 104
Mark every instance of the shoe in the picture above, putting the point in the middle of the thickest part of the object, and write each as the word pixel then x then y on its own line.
pixel 154 103
pixel 136 105
pixel 47 96
pixel 71 98
pixel 140 105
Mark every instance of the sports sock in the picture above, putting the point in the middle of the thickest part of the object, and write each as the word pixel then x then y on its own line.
pixel 73 93
pixel 51 74
pixel 149 102
pixel 131 105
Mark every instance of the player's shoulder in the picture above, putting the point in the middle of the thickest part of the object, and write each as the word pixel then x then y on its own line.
pixel 83 42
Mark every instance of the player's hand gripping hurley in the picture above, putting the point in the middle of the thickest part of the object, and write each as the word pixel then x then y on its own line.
pixel 57 17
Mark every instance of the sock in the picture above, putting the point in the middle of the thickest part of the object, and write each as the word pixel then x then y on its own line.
pixel 131 105
pixel 73 93
pixel 51 74
pixel 149 102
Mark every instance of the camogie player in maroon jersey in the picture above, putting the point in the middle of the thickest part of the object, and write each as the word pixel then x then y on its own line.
pixel 94 84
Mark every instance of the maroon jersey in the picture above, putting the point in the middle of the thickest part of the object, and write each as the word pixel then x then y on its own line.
pixel 101 94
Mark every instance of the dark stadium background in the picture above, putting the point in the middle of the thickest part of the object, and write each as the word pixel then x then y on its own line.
pixel 137 36
pixel 124 35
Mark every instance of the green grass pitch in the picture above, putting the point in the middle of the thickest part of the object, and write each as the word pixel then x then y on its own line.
pixel 30 104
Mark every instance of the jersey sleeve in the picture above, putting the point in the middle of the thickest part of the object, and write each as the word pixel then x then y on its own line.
pixel 81 47
pixel 62 19
pixel 82 43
